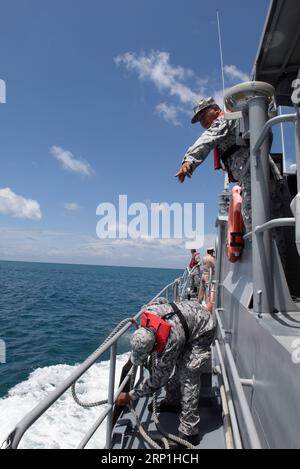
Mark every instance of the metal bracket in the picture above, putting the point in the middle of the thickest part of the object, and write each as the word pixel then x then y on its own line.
pixel 247 382
pixel 231 116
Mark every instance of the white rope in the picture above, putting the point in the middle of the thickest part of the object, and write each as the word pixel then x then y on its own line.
pixel 88 405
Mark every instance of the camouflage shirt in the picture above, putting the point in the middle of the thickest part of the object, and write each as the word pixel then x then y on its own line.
pixel 222 134
pixel 199 322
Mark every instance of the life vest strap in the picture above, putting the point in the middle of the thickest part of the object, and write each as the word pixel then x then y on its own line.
pixel 235 236
pixel 219 156
pixel 177 312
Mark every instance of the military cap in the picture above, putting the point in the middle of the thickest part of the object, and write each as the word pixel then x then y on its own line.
pixel 199 107
pixel 142 343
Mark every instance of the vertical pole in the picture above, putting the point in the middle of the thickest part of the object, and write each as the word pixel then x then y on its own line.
pixel 226 178
pixel 218 266
pixel 221 54
pixel 260 203
pixel 223 202
pixel 297 147
pixel 175 292
pixel 283 144
pixel 111 389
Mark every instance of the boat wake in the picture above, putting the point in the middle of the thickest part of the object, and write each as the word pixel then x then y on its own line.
pixel 65 423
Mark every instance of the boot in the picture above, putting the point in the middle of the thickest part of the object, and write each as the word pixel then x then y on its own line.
pixel 164 406
pixel 192 439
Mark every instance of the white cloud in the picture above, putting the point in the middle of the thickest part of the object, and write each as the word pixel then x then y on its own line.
pixel 2 92
pixel 293 167
pixel 72 206
pixel 69 162
pixel 168 112
pixel 157 68
pixel 173 80
pixel 17 206
pixel 233 73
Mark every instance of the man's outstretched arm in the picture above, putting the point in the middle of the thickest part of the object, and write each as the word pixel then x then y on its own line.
pixel 198 152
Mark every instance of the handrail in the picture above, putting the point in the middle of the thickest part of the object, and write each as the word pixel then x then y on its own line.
pixel 185 279
pixel 275 223
pixel 244 407
pixel 97 424
pixel 233 418
pixel 26 422
pixel 274 121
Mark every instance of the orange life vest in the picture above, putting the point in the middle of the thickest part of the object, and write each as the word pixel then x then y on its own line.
pixel 162 329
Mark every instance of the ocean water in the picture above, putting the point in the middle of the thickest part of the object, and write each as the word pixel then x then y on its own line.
pixel 52 316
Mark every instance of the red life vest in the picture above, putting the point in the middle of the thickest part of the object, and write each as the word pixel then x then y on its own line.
pixel 217 153
pixel 162 329
pixel 193 263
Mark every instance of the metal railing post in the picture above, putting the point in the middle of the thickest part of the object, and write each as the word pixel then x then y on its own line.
pixel 260 205
pixel 297 147
pixel 175 291
pixel 111 388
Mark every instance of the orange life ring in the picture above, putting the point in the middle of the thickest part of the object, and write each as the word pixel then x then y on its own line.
pixel 235 233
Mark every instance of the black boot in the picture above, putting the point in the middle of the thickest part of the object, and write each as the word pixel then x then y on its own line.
pixel 164 406
pixel 192 439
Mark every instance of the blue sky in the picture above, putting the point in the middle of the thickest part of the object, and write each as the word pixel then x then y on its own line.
pixel 99 98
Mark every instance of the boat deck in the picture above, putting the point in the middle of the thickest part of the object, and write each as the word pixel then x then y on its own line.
pixel 126 435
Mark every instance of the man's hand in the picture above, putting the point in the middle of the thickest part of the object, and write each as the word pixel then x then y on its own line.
pixel 123 399
pixel 185 170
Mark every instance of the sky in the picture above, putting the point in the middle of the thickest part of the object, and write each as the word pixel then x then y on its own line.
pixel 99 98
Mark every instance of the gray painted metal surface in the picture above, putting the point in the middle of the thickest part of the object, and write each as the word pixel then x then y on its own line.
pixel 278 55
pixel 261 211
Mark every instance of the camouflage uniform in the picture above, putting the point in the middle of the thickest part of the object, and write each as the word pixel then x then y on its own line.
pixel 195 277
pixel 185 358
pixel 222 133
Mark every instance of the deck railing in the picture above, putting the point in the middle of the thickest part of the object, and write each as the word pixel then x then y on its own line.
pixel 170 292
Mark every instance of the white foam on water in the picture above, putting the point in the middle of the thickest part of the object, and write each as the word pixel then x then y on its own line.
pixel 65 423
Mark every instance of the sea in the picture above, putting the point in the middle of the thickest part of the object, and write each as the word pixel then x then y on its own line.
pixel 52 317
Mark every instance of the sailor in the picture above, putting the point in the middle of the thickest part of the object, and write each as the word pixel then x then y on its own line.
pixel 209 263
pixel 195 270
pixel 220 134
pixel 181 334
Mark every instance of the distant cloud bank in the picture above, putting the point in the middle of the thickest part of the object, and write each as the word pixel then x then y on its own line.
pixel 49 246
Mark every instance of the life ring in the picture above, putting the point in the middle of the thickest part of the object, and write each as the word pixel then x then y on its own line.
pixel 235 233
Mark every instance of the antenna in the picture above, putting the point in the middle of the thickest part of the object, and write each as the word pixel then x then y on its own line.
pixel 283 143
pixel 226 179
pixel 221 53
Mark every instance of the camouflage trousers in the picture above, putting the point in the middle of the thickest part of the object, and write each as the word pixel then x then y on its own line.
pixel 184 386
pixel 195 280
